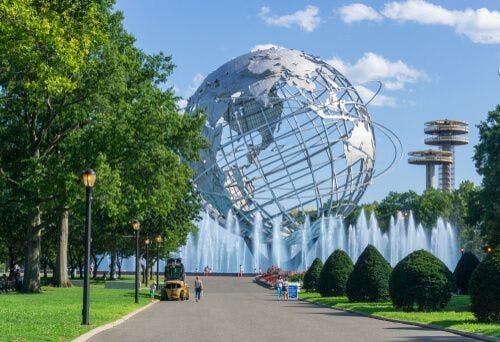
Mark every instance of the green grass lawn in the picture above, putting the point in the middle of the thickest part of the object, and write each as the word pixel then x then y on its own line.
pixel 56 314
pixel 456 315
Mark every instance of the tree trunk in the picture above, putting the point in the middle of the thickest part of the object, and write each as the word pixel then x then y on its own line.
pixel 11 261
pixel 119 266
pixel 31 282
pixel 94 267
pixel 112 265
pixel 61 269
pixel 97 262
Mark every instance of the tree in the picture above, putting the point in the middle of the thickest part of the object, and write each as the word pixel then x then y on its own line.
pixel 369 280
pixel 311 277
pixel 420 280
pixel 487 161
pixel 470 216
pixel 435 203
pixel 334 274
pixel 75 93
pixel 463 271
pixel 484 288
pixel 393 203
pixel 47 53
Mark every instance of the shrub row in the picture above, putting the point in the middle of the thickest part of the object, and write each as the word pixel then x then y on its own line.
pixel 420 281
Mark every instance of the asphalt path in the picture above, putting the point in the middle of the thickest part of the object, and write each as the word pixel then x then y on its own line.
pixel 236 309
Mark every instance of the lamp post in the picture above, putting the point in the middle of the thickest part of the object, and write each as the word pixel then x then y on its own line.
pixel 146 242
pixel 462 250
pixel 158 240
pixel 136 225
pixel 88 179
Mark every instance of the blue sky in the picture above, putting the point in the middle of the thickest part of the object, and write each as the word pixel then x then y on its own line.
pixel 437 59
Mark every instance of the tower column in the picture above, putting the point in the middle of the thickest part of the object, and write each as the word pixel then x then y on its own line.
pixel 430 176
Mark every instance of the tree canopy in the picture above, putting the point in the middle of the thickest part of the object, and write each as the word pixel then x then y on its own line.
pixel 75 92
pixel 487 160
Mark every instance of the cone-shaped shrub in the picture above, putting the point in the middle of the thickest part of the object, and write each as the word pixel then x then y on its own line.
pixel 311 277
pixel 334 274
pixel 466 265
pixel 484 289
pixel 420 281
pixel 369 281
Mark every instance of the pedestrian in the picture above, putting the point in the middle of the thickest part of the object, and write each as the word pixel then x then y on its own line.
pixel 241 271
pixel 279 288
pixel 152 289
pixel 198 287
pixel 285 289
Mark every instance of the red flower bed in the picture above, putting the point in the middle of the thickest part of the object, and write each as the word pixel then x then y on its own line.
pixel 269 278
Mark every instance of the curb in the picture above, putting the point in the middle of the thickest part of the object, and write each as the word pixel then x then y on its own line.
pixel 476 336
pixel 99 329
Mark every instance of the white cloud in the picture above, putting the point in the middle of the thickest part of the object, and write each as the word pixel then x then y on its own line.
pixel 372 67
pixel 307 19
pixel 188 91
pixel 479 25
pixel 358 12
pixel 394 75
pixel 182 103
pixel 379 100
pixel 260 47
pixel 195 83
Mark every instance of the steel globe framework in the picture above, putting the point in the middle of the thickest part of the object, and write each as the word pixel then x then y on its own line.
pixel 289 136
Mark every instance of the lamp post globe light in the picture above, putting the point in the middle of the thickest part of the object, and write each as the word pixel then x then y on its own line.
pixel 158 240
pixel 88 179
pixel 136 225
pixel 146 278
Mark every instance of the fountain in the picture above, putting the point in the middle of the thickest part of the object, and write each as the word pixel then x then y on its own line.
pixel 257 236
pixel 277 243
pixel 224 250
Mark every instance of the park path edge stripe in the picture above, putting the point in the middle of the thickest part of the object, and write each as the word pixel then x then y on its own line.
pixel 476 336
pixel 99 329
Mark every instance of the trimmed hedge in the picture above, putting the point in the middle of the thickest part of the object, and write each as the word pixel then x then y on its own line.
pixel 484 288
pixel 466 265
pixel 420 281
pixel 311 277
pixel 369 281
pixel 334 274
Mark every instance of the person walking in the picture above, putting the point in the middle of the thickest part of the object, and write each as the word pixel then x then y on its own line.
pixel 241 271
pixel 152 289
pixel 285 289
pixel 279 288
pixel 198 287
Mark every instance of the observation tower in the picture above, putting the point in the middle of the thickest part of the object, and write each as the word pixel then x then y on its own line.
pixel 430 158
pixel 447 134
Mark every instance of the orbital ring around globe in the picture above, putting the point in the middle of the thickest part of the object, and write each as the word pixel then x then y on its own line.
pixel 289 136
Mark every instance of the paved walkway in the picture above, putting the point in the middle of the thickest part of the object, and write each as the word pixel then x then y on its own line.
pixel 238 310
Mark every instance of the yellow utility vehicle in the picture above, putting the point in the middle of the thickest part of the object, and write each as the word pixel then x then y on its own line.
pixel 175 287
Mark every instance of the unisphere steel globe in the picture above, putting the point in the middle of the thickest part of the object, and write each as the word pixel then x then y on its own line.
pixel 289 136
